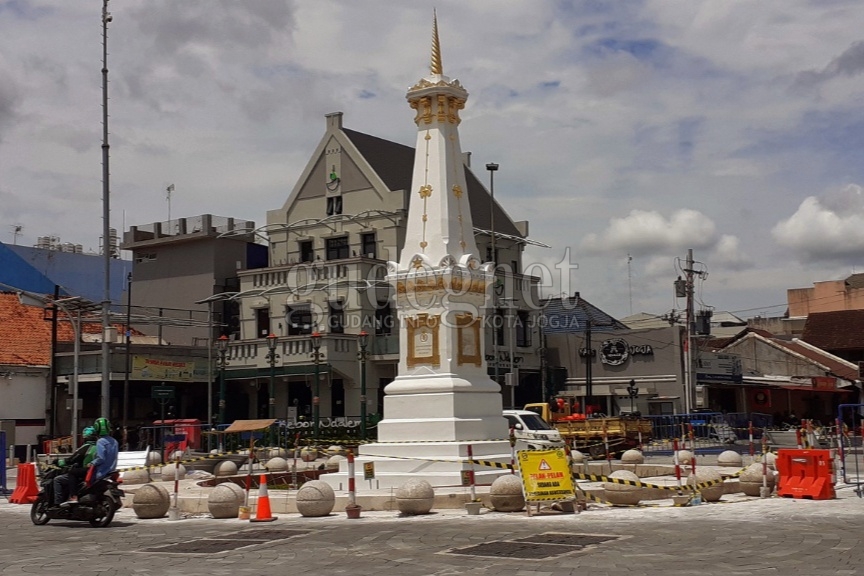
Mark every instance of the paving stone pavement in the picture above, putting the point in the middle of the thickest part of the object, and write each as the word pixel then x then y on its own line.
pixel 755 537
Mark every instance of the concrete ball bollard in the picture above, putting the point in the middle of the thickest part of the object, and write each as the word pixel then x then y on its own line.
pixel 277 453
pixel 730 458
pixel 154 458
pixel 750 480
pixel 712 493
pixel 505 494
pixel 224 501
pixel 141 476
pixel 771 457
pixel 337 451
pixel 332 463
pixel 308 455
pixel 632 457
pixel 685 457
pixel 623 494
pixel 315 498
pixel 276 464
pixel 151 501
pixel 173 472
pixel 177 455
pixel 225 468
pixel 415 497
pixel 577 457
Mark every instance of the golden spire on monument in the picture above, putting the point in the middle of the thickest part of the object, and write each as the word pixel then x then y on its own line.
pixel 436 67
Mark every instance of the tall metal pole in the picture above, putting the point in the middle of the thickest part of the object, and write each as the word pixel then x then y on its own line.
pixel 492 168
pixel 52 430
pixel 316 400
pixel 105 404
pixel 589 358
pixel 128 355
pixel 271 358
pixel 76 329
pixel 210 365
pixel 222 346
pixel 363 340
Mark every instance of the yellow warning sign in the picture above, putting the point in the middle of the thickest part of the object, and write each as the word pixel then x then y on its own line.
pixel 545 475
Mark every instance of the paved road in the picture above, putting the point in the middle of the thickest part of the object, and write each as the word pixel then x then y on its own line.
pixel 757 537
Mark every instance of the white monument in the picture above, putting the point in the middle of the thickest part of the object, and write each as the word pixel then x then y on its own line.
pixel 443 400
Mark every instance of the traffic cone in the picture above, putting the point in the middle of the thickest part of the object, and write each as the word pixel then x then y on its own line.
pixel 263 514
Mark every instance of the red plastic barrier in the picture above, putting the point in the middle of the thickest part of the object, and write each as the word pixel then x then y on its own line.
pixel 806 474
pixel 26 489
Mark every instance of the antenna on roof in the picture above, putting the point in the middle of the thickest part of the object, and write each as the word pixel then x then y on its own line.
pixel 16 231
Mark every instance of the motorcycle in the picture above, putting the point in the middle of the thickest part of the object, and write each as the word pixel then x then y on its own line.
pixel 97 502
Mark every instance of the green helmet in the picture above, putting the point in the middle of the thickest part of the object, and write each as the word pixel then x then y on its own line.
pixel 102 426
pixel 88 432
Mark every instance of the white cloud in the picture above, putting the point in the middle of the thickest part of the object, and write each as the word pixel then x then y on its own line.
pixel 828 228
pixel 728 253
pixel 643 232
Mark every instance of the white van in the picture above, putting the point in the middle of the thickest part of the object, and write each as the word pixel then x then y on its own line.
pixel 532 432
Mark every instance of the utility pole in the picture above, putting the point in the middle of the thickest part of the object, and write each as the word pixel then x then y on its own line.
pixel 689 387
pixel 589 358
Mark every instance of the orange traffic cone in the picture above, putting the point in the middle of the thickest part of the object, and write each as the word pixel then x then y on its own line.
pixel 263 514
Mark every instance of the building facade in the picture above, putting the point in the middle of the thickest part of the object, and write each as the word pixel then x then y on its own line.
pixel 328 247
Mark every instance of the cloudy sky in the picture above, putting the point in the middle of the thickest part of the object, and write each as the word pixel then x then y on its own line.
pixel 633 127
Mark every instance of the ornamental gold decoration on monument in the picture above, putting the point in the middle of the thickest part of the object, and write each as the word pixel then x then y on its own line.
pixel 423 346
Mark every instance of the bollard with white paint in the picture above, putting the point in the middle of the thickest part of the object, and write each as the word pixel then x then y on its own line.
pixel 677 465
pixel 352 489
pixel 752 446
pixel 174 511
pixel 473 489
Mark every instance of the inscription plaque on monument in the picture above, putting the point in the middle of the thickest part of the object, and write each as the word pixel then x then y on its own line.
pixel 423 340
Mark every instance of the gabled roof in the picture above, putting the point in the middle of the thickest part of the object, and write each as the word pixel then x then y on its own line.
pixel 25 332
pixel 812 354
pixel 16 271
pixel 855 281
pixel 394 164
pixel 835 365
pixel 25 335
pixel 839 330
pixel 570 315
pixel 643 320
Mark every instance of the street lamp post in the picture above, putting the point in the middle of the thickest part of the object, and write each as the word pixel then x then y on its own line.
pixel 222 348
pixel 363 341
pixel 271 359
pixel 492 168
pixel 633 392
pixel 316 359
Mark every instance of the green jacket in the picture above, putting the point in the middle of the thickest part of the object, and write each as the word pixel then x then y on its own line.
pixel 83 455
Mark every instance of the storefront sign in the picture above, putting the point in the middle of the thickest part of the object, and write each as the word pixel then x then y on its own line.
pixel 162 369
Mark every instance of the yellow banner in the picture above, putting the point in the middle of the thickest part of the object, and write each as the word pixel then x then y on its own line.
pixel 545 475
pixel 147 368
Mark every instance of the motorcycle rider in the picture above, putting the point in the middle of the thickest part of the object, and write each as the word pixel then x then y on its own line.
pixel 107 448
pixel 66 485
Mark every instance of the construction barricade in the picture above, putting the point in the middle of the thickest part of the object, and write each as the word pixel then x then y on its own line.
pixel 806 474
pixel 26 490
